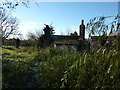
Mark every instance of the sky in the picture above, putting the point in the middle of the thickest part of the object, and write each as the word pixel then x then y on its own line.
pixel 65 17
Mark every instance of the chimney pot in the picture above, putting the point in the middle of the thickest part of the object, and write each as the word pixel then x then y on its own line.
pixel 82 30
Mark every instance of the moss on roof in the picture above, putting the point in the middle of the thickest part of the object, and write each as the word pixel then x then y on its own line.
pixel 67 42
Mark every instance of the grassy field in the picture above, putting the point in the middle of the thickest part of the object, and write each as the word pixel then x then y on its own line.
pixel 31 67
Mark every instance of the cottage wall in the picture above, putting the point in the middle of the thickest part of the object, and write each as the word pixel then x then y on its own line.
pixel 66 46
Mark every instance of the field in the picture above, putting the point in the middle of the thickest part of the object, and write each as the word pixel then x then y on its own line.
pixel 31 67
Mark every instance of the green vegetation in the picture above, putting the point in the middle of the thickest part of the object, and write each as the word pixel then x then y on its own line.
pixel 56 68
pixel 67 42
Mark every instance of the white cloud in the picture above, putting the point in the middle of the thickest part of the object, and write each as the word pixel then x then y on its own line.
pixel 29 26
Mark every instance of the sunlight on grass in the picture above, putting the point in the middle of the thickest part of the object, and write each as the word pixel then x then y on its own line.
pixel 58 68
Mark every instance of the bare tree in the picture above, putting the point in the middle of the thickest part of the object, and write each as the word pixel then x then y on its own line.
pixel 12 4
pixel 34 36
pixel 8 24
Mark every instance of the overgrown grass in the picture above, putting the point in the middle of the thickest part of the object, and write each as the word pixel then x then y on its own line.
pixel 56 68
pixel 15 66
pixel 95 70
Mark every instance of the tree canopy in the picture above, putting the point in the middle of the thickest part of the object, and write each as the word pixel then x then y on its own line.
pixel 48 30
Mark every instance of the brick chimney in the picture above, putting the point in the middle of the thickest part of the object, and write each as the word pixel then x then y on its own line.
pixel 82 30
